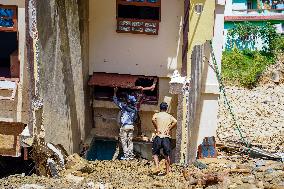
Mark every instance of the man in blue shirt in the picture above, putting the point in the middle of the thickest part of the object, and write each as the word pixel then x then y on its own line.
pixel 128 116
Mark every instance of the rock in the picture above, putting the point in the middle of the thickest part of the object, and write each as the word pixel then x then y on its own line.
pixel 74 179
pixel 260 184
pixel 248 179
pixel 31 186
pixel 233 186
pixel 247 186
pixel 91 185
pixel 260 163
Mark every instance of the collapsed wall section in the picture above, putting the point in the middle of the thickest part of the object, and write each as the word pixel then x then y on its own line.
pixel 61 67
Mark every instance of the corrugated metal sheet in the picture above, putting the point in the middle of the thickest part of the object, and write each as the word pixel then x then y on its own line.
pixel 114 80
pixel 10 139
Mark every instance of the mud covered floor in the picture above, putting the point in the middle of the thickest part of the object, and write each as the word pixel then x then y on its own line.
pixel 232 172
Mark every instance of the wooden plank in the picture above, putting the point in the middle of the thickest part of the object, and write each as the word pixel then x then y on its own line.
pixel 185 37
pixel 193 100
pixel 10 139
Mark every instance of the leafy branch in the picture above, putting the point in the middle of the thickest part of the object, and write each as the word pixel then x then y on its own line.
pixel 247 31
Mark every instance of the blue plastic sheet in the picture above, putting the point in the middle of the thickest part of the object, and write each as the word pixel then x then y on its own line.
pixel 6 17
pixel 6 13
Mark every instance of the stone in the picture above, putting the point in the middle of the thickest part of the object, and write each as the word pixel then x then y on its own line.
pixel 247 186
pixel 248 179
pixel 259 113
pixel 31 186
pixel 73 178
pixel 232 186
pixel 260 184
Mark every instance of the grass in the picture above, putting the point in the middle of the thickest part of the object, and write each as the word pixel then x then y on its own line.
pixel 243 68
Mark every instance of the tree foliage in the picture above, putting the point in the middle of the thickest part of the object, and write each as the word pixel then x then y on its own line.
pixel 250 32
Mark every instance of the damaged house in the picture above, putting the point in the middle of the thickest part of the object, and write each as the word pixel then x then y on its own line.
pixel 14 79
pixel 79 51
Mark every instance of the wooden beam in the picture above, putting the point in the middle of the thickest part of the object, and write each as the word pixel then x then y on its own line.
pixel 185 37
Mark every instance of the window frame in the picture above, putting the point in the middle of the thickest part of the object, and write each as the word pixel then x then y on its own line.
pixel 249 5
pixel 15 18
pixel 143 21
pixel 108 81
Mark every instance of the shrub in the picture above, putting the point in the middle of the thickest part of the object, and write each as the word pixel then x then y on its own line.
pixel 243 68
pixel 278 44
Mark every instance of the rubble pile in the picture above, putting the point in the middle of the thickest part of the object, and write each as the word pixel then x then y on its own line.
pixel 225 172
pixel 274 73
pixel 260 114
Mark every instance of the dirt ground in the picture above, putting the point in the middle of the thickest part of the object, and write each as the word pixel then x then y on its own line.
pixel 224 172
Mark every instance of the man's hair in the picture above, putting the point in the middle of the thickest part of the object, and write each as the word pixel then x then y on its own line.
pixel 124 96
pixel 163 106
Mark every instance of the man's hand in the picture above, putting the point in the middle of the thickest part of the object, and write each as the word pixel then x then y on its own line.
pixel 152 88
pixel 139 88
pixel 167 132
pixel 157 132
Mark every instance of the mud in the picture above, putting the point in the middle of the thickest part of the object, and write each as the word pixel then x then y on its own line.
pixel 224 172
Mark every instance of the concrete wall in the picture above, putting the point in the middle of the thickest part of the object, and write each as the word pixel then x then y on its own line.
pixel 210 87
pixel 234 5
pixel 17 110
pixel 203 27
pixel 61 77
pixel 137 54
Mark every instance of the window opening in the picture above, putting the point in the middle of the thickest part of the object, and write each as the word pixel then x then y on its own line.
pixel 9 63
pixel 103 91
pixel 138 16
pixel 138 12
pixel 150 96
pixel 8 18
pixel 250 5
pixel 198 8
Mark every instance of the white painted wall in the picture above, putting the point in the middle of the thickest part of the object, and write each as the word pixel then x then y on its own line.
pixel 210 91
pixel 137 54
pixel 236 5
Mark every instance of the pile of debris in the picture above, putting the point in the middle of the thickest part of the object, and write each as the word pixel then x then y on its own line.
pixel 259 113
pixel 274 74
pixel 224 172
